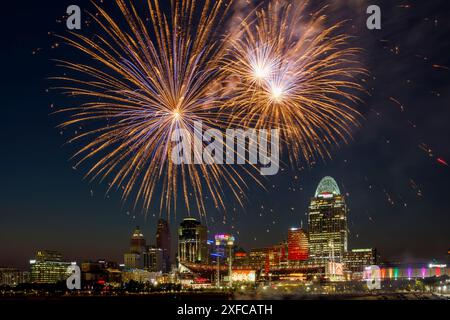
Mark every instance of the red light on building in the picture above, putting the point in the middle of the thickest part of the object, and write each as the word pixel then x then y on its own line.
pixel 201 280
pixel 297 245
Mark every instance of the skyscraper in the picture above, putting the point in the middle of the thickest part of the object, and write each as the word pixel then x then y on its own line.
pixel 137 242
pixel 163 243
pixel 297 245
pixel 327 222
pixel 192 241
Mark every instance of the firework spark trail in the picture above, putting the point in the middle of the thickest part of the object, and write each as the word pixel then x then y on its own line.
pixel 285 69
pixel 147 80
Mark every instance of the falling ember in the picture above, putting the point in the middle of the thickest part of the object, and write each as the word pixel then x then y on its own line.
pixel 398 103
pixel 442 161
pixel 437 66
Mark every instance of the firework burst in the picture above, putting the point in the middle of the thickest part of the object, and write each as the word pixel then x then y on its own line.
pixel 286 70
pixel 147 79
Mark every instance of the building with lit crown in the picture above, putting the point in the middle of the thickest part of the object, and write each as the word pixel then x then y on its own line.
pixel 192 241
pixel 327 223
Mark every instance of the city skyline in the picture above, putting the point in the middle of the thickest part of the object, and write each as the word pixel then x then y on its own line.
pixel 327 190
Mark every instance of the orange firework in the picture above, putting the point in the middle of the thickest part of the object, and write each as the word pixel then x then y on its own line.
pixel 147 78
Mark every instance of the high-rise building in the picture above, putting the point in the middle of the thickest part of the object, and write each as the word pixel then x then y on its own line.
pixel 163 243
pixel 154 259
pixel 297 244
pixel 357 259
pixel 48 267
pixel 192 241
pixel 327 223
pixel 134 258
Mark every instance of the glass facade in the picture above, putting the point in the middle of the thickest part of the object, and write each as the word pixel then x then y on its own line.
pixel 297 245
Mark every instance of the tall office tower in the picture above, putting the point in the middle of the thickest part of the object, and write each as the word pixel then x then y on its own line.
pixel 192 241
pixel 134 258
pixel 163 243
pixel 297 244
pixel 48 267
pixel 327 222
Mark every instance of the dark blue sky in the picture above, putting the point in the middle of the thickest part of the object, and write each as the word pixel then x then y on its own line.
pixel 45 204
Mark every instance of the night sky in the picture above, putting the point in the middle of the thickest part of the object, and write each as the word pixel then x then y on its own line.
pixel 395 187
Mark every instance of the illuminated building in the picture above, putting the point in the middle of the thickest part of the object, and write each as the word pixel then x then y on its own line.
pixel 297 245
pixel 243 276
pixel 154 259
pixel 163 242
pixel 224 241
pixel 134 258
pixel 99 273
pixel 142 276
pixel 48 267
pixel 327 223
pixel 357 259
pixel 12 277
pixel 395 272
pixel 277 256
pixel 137 242
pixel 257 258
pixel 192 241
